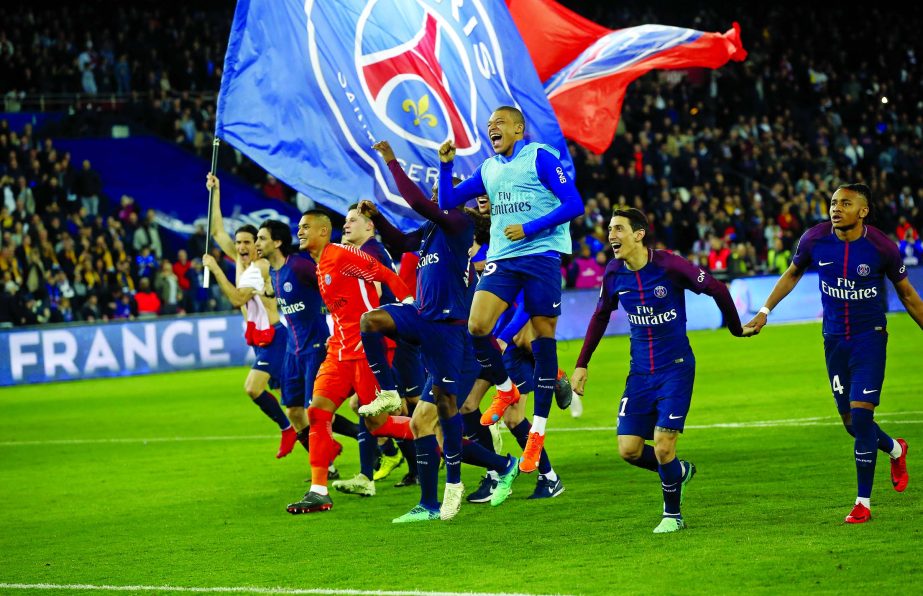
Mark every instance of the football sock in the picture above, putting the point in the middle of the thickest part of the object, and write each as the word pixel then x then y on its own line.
pixel 539 425
pixel 389 447
pixel 521 432
pixel 476 455
pixel 648 460
pixel 452 446
pixel 368 450
pixel 545 351
pixel 671 479
pixel 866 449
pixel 896 450
pixel 319 489
pixel 397 427
pixel 321 443
pixel 491 361
pixel 885 442
pixel 345 426
pixel 864 501
pixel 410 455
pixel 428 470
pixel 270 406
pixel 476 432
pixel 377 354
pixel 303 438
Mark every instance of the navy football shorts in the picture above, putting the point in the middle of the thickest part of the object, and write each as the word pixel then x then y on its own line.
pixel 661 398
pixel 856 367
pixel 538 276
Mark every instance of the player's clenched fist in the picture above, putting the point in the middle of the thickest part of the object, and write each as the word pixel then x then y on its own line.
pixel 447 151
pixel 384 150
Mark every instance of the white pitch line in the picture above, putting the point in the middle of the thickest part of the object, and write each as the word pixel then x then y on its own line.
pixel 240 590
pixel 788 422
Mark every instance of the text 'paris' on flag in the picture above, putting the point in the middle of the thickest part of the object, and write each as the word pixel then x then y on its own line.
pixel 309 86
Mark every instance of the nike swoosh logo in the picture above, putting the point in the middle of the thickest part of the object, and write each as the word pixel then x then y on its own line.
pixel 824 264
pixel 864 452
pixel 624 292
pixel 866 391
pixel 520 384
pixel 261 363
pixel 555 305
pixel 672 417
pixel 543 379
pixel 409 389
pixel 445 380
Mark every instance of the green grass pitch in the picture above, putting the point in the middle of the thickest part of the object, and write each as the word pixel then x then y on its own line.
pixel 170 480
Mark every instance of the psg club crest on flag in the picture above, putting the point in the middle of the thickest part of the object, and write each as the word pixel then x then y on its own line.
pixel 660 291
pixel 863 270
pixel 310 85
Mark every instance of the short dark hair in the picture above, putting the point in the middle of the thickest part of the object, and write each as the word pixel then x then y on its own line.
pixel 279 231
pixel 866 193
pixel 247 229
pixel 860 189
pixel 318 213
pixel 515 112
pixel 635 217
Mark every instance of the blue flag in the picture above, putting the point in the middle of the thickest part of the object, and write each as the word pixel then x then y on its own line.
pixel 309 86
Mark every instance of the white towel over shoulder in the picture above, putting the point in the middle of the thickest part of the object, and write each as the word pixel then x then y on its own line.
pixel 252 277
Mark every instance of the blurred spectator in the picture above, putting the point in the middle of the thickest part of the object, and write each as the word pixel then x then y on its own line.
pixel 147 234
pixel 168 290
pixel 778 259
pixel 88 188
pixel 589 272
pixel 273 189
pixel 911 248
pixel 147 300
pixel 91 312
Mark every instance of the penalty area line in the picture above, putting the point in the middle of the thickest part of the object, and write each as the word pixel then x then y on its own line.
pixel 239 590
pixel 892 417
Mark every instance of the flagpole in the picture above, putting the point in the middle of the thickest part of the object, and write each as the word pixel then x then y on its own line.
pixel 211 195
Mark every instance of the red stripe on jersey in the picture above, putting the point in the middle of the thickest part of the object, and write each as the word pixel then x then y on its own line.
pixel 650 332
pixel 846 302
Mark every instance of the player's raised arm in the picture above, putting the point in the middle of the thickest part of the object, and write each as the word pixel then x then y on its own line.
pixel 355 263
pixel 449 220
pixel 220 235
pixel 686 275
pixel 451 196
pixel 237 296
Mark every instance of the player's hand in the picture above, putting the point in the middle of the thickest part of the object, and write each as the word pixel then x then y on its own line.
pixel 474 249
pixel 502 345
pixel 210 262
pixel 367 208
pixel 447 152
pixel 384 150
pixel 578 380
pixel 756 324
pixel 748 331
pixel 514 232
pixel 211 181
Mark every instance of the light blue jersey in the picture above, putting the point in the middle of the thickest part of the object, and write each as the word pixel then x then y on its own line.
pixel 517 196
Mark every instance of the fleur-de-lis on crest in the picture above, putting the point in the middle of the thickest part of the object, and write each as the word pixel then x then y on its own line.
pixel 420 111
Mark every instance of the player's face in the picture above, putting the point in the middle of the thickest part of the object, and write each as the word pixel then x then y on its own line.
pixel 311 232
pixel 246 246
pixel 622 238
pixel 503 132
pixel 264 245
pixel 847 209
pixel 356 229
pixel 483 205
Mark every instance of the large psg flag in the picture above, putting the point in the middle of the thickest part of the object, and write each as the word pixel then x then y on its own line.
pixel 309 86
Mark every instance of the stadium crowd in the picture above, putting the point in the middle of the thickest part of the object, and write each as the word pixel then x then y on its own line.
pixel 730 165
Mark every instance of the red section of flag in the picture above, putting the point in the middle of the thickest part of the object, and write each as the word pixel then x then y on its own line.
pixel 554 35
pixel 588 111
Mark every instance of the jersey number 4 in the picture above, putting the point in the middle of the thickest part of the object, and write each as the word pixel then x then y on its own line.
pixel 837 386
